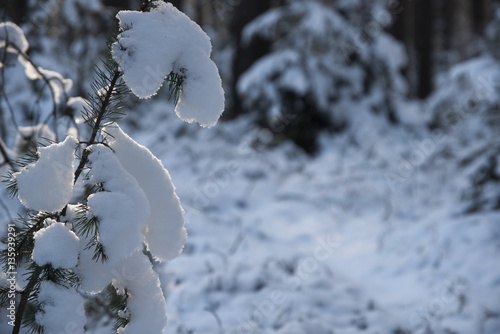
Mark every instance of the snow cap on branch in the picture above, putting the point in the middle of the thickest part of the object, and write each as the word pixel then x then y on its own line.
pixel 47 184
pixel 56 245
pixel 94 275
pixel 154 44
pixel 62 309
pixel 165 232
pixel 122 208
pixel 11 33
pixel 146 302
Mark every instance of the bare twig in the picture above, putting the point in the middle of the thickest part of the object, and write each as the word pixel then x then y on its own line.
pixel 24 299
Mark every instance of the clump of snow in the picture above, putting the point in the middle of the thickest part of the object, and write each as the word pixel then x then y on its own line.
pixel 94 275
pixel 180 46
pixel 146 303
pixel 165 232
pixel 71 213
pixel 56 245
pixel 122 208
pixel 47 184
pixel 62 309
pixel 11 34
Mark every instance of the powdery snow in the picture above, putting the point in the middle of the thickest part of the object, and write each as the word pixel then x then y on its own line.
pixel 47 184
pixel 56 245
pixel 13 35
pixel 122 208
pixel 258 220
pixel 94 275
pixel 165 232
pixel 165 40
pixel 146 303
pixel 62 309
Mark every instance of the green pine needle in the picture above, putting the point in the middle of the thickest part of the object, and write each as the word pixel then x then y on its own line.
pixel 175 82
pixel 11 184
pixel 118 306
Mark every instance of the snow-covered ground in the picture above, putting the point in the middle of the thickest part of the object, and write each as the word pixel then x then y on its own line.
pixel 280 242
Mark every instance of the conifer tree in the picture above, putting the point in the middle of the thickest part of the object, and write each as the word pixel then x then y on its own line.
pixel 98 207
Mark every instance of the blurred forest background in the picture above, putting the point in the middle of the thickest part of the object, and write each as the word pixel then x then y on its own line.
pixel 435 35
pixel 369 125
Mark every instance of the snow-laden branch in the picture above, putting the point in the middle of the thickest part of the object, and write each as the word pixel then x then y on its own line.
pixel 129 204
pixel 154 44
pixel 54 171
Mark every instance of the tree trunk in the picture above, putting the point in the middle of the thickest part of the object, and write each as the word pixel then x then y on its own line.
pixel 424 46
pixel 17 10
pixel 245 54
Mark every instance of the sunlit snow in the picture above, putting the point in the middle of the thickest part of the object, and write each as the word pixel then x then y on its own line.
pixel 56 245
pixel 165 232
pixel 155 43
pixel 47 184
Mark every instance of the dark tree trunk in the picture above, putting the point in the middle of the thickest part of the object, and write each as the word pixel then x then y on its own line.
pixel 245 54
pixel 16 10
pixel 404 29
pixel 425 47
pixel 482 13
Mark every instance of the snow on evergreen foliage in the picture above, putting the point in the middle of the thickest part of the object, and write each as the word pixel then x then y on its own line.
pixel 94 275
pixel 146 303
pixel 56 245
pixel 154 44
pixel 322 61
pixel 62 309
pixel 99 226
pixel 47 184
pixel 466 108
pixel 165 232
pixel 121 207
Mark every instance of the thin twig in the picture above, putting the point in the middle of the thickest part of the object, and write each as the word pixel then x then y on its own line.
pixel 24 299
pixel 45 79
pixel 97 124
pixel 4 94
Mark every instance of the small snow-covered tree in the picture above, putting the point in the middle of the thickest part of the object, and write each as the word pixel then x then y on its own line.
pixel 98 206
pixel 466 109
pixel 326 60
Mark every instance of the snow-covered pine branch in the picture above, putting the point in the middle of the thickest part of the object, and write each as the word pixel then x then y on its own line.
pixel 75 244
pixel 180 47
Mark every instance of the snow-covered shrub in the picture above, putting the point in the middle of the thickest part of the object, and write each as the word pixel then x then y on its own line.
pixel 324 64
pixel 466 110
pixel 98 206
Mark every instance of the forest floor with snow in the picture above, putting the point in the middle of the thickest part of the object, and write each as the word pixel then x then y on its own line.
pixel 358 239
pixel 383 231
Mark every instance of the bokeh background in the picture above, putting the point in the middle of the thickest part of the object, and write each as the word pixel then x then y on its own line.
pixel 353 183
